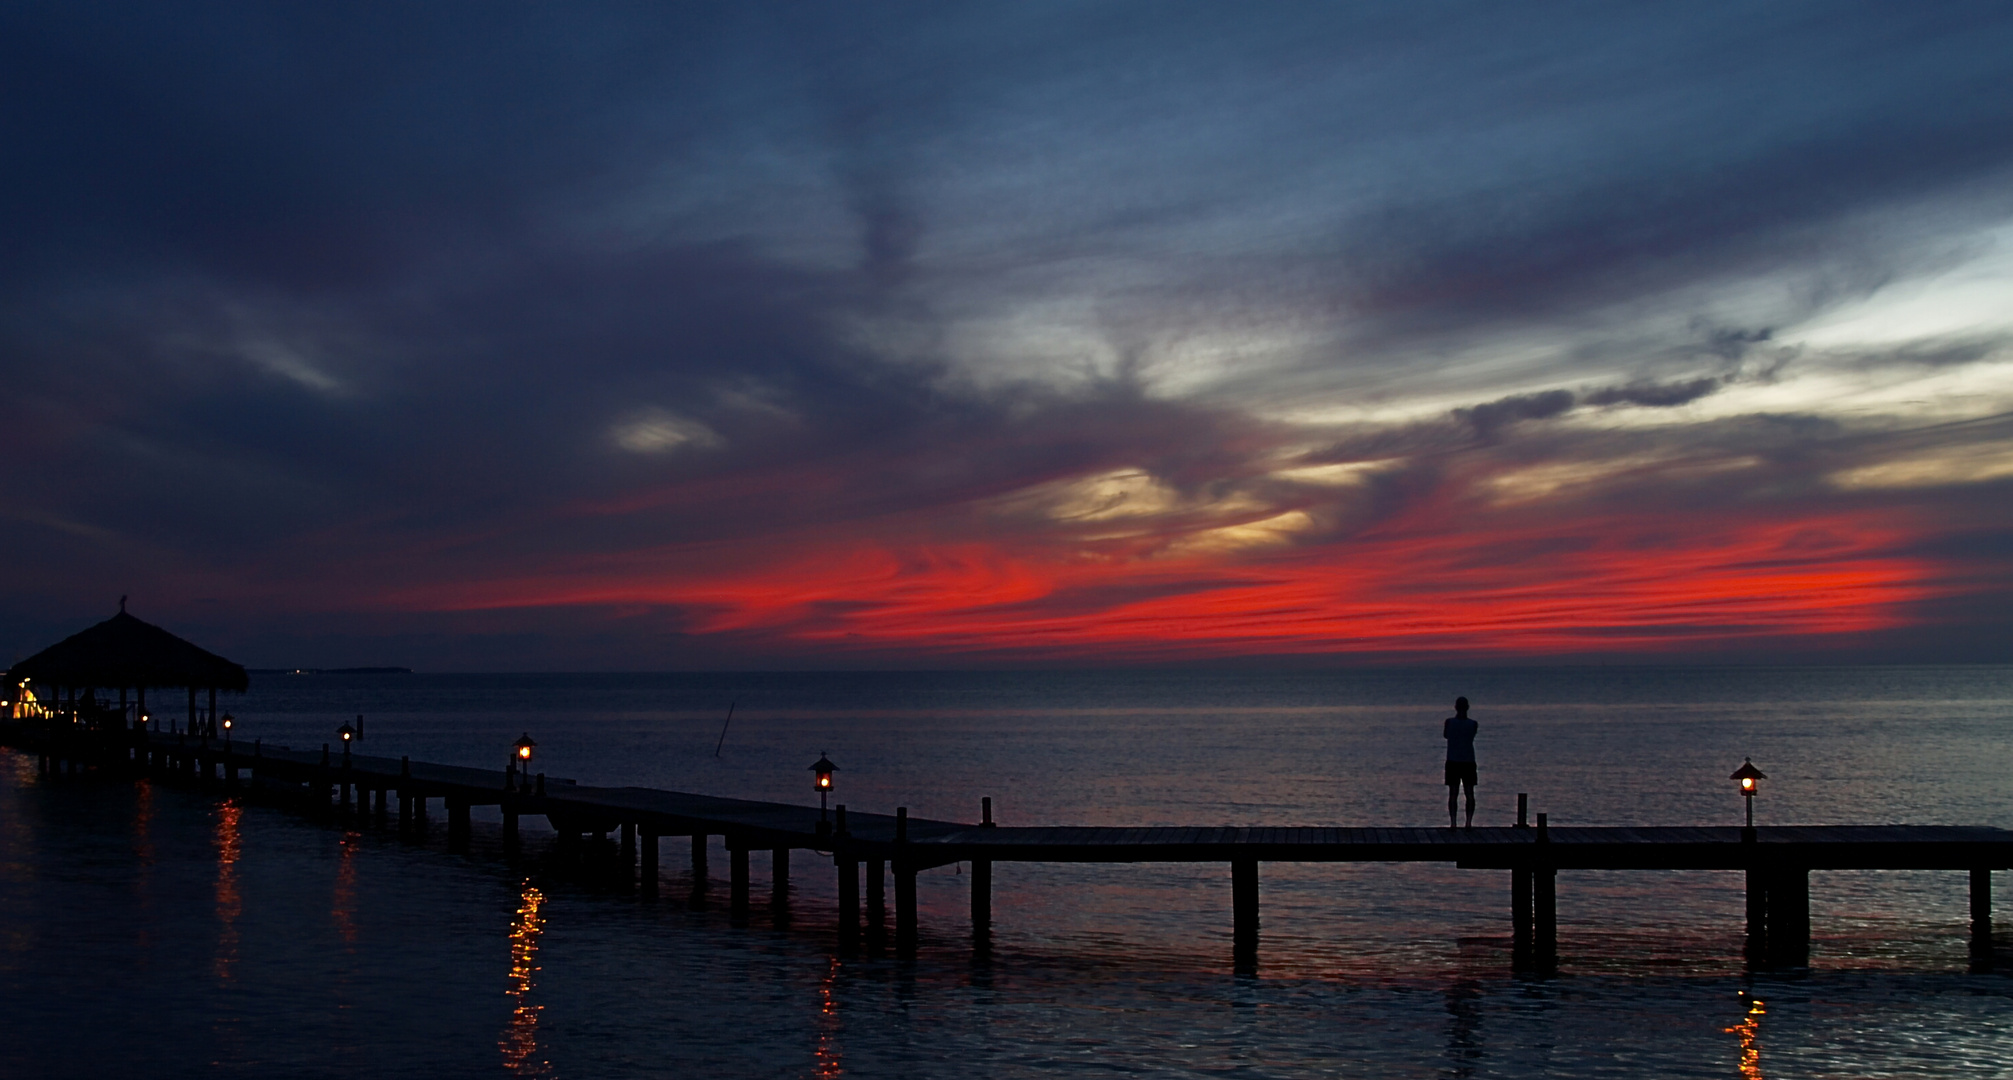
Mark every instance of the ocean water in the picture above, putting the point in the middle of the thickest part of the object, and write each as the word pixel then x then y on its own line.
pixel 164 931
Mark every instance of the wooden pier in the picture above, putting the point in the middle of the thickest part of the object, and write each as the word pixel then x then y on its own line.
pixel 1777 860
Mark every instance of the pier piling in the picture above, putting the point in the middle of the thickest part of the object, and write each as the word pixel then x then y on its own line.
pixel 849 897
pixel 647 841
pixel 905 907
pixel 1981 918
pixel 737 874
pixel 877 897
pixel 1544 905
pixel 1244 914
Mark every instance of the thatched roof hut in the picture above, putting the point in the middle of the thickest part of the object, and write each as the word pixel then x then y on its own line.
pixel 123 651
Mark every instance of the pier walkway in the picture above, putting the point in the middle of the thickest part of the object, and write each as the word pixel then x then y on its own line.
pixel 1777 860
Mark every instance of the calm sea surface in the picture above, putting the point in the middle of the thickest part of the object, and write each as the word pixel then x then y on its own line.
pixel 157 931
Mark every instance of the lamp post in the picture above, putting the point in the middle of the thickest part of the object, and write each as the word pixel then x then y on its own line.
pixel 520 755
pixel 1748 776
pixel 348 733
pixel 226 722
pixel 823 768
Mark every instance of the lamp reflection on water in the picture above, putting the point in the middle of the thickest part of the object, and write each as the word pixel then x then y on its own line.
pixel 344 909
pixel 229 904
pixel 827 1062
pixel 1749 1030
pixel 520 1040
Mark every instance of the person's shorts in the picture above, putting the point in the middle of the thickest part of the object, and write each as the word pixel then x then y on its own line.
pixel 1461 772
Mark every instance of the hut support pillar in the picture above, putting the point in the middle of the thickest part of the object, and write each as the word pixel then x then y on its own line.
pixel 698 860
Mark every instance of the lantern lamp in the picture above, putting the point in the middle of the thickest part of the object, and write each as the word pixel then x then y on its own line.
pixel 1748 776
pixel 524 745
pixel 226 721
pixel 347 732
pixel 823 768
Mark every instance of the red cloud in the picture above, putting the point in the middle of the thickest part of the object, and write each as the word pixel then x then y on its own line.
pixel 1625 583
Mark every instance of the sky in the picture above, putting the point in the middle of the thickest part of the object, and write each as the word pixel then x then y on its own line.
pixel 482 336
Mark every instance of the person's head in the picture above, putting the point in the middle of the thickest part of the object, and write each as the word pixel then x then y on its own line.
pixel 1460 706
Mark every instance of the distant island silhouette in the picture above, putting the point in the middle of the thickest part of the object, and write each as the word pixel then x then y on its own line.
pixel 330 671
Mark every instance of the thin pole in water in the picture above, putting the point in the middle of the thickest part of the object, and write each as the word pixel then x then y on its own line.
pixel 723 728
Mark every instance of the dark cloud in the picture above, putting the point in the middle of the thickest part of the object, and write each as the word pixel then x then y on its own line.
pixel 1653 395
pixel 1489 418
pixel 308 307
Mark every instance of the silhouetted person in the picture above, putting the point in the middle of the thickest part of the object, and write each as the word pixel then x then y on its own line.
pixel 1459 731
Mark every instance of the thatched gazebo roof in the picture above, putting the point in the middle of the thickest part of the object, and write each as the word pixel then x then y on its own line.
pixel 123 651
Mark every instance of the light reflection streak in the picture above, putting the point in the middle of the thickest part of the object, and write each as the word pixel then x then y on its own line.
pixel 520 1039
pixel 344 910
pixel 143 853
pixel 229 903
pixel 1749 1030
pixel 827 1061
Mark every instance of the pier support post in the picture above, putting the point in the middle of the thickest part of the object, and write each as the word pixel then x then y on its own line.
pixel 877 897
pixel 457 825
pixel 700 881
pixel 779 878
pixel 1544 902
pixel 1545 918
pixel 1757 917
pixel 510 837
pixel 905 907
pixel 1244 914
pixel 646 840
pixel 1521 954
pixel 1789 918
pixel 982 902
pixel 628 847
pixel 1981 918
pixel 849 897
pixel 737 862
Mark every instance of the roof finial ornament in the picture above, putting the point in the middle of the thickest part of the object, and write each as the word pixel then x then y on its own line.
pixel 122 603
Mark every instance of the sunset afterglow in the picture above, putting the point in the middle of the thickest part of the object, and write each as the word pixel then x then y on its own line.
pixel 858 339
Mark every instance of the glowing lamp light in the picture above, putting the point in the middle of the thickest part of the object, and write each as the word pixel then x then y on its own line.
pixel 823 770
pixel 524 745
pixel 227 721
pixel 1748 777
